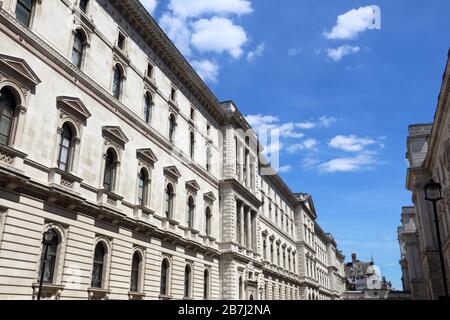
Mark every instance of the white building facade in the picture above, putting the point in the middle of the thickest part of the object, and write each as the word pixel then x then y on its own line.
pixel 150 187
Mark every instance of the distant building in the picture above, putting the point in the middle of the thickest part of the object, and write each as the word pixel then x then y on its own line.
pixel 362 276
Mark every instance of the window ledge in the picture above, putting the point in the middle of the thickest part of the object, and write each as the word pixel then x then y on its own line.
pixel 174 105
pixel 151 82
pixel 49 291
pixel 170 221
pixel 122 55
pixel 165 297
pixel 136 295
pixel 98 293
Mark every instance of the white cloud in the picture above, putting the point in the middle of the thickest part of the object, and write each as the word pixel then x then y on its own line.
pixel 306 125
pixel 206 69
pixel 338 53
pixel 197 8
pixel 272 124
pixel 349 164
pixel 177 30
pixel 308 144
pixel 218 35
pixel 258 52
pixel 327 122
pixel 261 121
pixel 350 143
pixel 350 24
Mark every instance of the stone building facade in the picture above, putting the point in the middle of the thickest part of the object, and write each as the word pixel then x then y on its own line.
pixel 428 155
pixel 149 186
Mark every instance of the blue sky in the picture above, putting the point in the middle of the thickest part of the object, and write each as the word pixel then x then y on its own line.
pixel 341 93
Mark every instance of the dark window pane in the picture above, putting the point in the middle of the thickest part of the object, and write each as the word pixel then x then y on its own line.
pixel 117 82
pixel 164 277
pixel 50 259
pixel 135 267
pixel 83 5
pixel 7 109
pixel 77 50
pixel 187 281
pixel 97 270
pixel 65 148
pixel 110 168
pixel 147 108
pixel 23 11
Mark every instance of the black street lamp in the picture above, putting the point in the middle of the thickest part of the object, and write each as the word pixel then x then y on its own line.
pixel 433 194
pixel 46 241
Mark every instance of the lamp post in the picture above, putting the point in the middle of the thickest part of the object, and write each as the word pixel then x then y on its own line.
pixel 46 241
pixel 433 194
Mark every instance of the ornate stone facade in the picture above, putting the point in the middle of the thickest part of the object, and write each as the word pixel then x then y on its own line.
pixel 428 157
pixel 150 187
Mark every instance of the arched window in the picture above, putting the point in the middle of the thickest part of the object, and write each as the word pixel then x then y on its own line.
pixel 165 269
pixel 135 272
pixel 98 266
pixel 78 49
pixel 65 148
pixel 192 144
pixel 187 281
pixel 24 10
pixel 117 81
pixel 84 5
pixel 169 197
pixel 50 259
pixel 264 249
pixel 241 289
pixel 172 126
pixel 190 213
pixel 206 284
pixel 251 298
pixel 143 187
pixel 208 158
pixel 208 218
pixel 7 110
pixel 148 103
pixel 238 226
pixel 110 170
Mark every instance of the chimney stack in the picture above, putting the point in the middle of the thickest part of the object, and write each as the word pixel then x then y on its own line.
pixel 354 258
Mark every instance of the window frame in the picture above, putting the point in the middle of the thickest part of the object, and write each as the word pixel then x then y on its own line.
pixel 172 127
pixel 106 243
pixel 148 107
pixel 84 9
pixel 70 148
pixel 32 10
pixel 118 84
pixel 79 31
pixel 140 277
pixel 59 257
pixel 207 284
pixel 169 200
pixel 167 277
pixel 188 281
pixel 113 169
pixel 190 211
pixel 13 118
